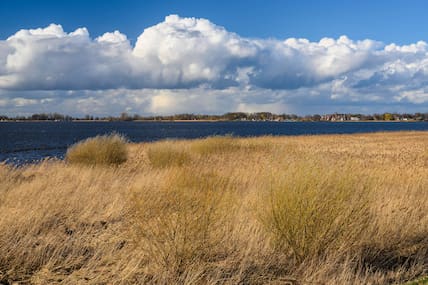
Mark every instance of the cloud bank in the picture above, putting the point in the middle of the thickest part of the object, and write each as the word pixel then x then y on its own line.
pixel 193 65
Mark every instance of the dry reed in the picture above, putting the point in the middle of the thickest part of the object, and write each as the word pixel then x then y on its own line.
pixel 339 209
pixel 106 149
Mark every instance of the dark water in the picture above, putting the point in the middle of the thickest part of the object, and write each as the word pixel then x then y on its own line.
pixel 25 142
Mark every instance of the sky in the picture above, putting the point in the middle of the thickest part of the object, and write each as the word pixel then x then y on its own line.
pixel 166 57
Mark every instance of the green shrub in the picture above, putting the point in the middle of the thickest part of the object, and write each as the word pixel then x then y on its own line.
pixel 107 149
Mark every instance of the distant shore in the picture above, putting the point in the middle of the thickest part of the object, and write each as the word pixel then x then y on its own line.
pixel 226 117
pixel 209 121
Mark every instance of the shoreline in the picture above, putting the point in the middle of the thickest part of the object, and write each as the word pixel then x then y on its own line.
pixel 207 121
pixel 298 137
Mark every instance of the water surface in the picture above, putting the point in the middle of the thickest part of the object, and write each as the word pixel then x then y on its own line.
pixel 23 142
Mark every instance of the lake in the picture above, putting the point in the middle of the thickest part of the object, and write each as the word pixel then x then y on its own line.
pixel 26 142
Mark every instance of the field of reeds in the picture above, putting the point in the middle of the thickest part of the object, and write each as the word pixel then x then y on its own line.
pixel 334 209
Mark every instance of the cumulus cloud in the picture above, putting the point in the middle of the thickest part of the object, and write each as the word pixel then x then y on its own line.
pixel 184 63
pixel 50 59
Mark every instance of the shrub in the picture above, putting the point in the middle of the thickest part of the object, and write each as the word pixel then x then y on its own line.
pixel 312 211
pixel 107 149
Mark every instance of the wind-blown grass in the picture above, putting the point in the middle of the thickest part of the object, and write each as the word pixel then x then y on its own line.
pixel 167 154
pixel 216 144
pixel 107 149
pixel 342 209
pixel 183 222
pixel 313 210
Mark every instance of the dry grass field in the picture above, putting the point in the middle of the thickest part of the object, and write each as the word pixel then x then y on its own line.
pixel 336 209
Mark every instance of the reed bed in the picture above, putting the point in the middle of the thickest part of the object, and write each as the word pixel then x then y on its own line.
pixel 334 209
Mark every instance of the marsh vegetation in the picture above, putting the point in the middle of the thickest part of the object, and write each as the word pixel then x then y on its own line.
pixel 336 209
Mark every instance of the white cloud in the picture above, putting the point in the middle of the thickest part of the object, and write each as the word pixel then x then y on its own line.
pixel 193 65
pixel 50 59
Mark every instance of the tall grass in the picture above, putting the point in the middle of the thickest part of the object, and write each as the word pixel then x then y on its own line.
pixel 313 210
pixel 216 144
pixel 105 149
pixel 167 154
pixel 348 209
pixel 182 222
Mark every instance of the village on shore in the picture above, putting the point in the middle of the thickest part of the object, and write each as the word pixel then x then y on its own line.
pixel 232 116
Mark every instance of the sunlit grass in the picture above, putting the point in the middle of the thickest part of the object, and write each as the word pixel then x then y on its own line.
pixel 106 149
pixel 312 209
pixel 167 154
pixel 216 144
pixel 342 209
pixel 182 222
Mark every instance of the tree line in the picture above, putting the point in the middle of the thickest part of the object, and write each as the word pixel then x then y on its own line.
pixel 231 116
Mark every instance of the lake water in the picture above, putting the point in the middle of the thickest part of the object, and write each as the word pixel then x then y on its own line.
pixel 24 142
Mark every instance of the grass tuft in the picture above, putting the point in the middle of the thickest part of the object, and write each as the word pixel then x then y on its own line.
pixel 312 210
pixel 100 150
pixel 183 222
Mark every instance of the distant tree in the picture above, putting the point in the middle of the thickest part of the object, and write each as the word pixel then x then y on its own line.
pixel 125 117
pixel 57 117
pixel 388 117
pixel 421 116
pixel 378 117
pixel 235 116
pixel 367 117
pixel 40 117
pixel 316 117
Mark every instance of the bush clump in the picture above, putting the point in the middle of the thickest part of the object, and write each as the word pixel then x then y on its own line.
pixel 313 211
pixel 100 150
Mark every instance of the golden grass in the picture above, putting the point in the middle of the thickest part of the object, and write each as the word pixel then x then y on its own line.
pixel 339 209
pixel 106 149
pixel 181 222
pixel 313 209
pixel 216 144
pixel 167 154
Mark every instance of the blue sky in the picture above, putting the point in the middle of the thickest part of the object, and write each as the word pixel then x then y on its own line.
pixel 163 57
pixel 398 21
